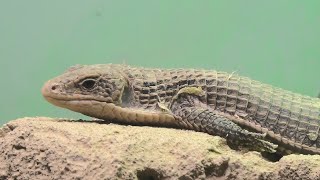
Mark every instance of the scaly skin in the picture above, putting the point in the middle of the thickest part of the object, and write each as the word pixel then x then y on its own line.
pixel 144 96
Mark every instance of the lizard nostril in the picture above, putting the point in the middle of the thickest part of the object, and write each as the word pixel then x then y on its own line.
pixel 54 87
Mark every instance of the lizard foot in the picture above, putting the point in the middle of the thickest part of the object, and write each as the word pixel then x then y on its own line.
pixel 255 142
pixel 266 146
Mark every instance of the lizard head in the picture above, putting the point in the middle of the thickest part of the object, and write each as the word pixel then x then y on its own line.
pixel 86 88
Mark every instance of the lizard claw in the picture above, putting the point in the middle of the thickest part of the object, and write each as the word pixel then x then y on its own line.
pixel 256 142
pixel 265 146
pixel 259 144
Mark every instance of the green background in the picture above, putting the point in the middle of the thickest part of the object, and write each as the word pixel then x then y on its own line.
pixel 276 42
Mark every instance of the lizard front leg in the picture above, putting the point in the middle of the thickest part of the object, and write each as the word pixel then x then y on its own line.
pixel 194 114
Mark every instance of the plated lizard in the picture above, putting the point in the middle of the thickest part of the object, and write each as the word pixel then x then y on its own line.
pixel 246 112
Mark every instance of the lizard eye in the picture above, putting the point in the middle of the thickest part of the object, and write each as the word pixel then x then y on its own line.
pixel 88 84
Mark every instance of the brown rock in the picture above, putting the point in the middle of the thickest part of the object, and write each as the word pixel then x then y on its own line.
pixel 45 148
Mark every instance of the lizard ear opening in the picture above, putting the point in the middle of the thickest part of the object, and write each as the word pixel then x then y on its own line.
pixel 126 97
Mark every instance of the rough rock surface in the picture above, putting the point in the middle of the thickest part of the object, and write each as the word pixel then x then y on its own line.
pixel 45 148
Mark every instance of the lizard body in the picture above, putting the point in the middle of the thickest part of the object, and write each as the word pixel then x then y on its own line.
pixel 215 102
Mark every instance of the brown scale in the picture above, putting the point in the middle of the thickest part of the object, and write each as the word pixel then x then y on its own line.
pixel 291 128
pixel 263 113
pixel 289 122
pixel 307 126
pixel 280 111
pixel 221 92
pixel 243 95
pixel 231 94
pixel 284 119
pixel 301 133
pixel 212 83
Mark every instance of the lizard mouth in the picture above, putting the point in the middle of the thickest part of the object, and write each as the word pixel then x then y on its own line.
pixel 87 107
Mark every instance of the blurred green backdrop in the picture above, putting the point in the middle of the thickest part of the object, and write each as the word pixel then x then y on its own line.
pixel 276 42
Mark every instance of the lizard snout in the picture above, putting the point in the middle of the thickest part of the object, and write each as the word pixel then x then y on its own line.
pixel 49 89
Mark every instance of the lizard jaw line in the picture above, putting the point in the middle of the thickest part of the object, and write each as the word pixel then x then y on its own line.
pixel 87 107
pixel 61 102
pixel 77 98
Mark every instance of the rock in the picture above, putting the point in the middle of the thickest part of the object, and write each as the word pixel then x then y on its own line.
pixel 45 148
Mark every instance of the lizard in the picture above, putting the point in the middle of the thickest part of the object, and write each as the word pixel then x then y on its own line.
pixel 246 112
